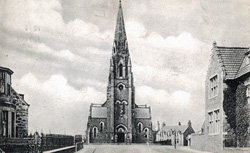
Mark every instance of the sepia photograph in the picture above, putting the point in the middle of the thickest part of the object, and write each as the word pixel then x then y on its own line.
pixel 124 76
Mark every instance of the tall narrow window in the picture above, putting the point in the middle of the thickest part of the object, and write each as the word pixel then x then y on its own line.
pixel 120 70
pixel 95 131
pixel 217 121
pixel 146 130
pixel 101 126
pixel 8 89
pixel 123 107
pixel 5 123
pixel 213 86
pixel 12 124
pixel 210 114
pixel 140 127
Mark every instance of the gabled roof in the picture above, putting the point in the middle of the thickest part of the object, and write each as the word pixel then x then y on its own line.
pixel 18 96
pixel 181 128
pixel 142 112
pixel 98 111
pixel 231 58
pixel 245 67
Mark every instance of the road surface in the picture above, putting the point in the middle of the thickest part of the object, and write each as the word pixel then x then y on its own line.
pixel 135 148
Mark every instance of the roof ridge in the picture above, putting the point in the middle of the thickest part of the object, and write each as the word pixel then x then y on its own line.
pixel 232 47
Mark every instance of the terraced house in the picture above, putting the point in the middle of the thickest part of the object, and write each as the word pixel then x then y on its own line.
pixel 13 108
pixel 120 119
pixel 227 100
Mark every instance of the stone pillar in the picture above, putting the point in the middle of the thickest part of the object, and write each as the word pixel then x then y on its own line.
pixel 9 124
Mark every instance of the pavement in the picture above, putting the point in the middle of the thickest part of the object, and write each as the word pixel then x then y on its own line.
pixel 136 148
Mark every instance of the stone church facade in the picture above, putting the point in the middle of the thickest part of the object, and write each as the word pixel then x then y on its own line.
pixel 120 119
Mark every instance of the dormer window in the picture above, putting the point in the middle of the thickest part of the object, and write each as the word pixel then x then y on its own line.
pixel 248 59
pixel 248 91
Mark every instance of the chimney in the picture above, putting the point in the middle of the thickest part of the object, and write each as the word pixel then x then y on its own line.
pixel 179 123
pixel 163 124
pixel 189 123
pixel 214 44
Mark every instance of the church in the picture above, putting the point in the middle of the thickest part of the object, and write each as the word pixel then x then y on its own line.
pixel 119 119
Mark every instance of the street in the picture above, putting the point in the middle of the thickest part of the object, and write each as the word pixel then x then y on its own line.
pixel 136 148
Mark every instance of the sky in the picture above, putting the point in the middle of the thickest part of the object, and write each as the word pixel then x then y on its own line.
pixel 59 51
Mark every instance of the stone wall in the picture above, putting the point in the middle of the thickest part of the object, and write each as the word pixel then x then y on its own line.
pixel 198 142
pixel 101 135
pixel 140 137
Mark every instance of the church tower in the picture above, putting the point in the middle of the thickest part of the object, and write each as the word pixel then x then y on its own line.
pixel 120 91
pixel 119 119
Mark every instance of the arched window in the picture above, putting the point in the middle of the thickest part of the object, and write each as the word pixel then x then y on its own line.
pixel 120 70
pixel 101 126
pixel 146 131
pixel 140 127
pixel 123 108
pixel 94 131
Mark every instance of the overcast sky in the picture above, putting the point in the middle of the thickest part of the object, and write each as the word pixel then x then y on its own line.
pixel 60 50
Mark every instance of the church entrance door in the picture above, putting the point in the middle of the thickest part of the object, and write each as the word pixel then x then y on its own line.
pixel 121 134
pixel 120 137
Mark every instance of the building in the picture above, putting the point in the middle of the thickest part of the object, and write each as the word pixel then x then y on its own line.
pixel 228 69
pixel 171 135
pixel 119 119
pixel 13 108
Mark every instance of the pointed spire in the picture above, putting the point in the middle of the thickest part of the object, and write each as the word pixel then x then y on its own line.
pixel 120 34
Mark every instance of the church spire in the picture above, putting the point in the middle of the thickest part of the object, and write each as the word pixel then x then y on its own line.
pixel 120 40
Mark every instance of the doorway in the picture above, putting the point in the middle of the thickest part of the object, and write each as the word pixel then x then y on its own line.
pixel 120 137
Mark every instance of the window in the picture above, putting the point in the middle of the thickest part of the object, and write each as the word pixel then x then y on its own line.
pixel 120 70
pixel 217 121
pixel 214 121
pixel 248 59
pixel 101 126
pixel 1 75
pixel 169 133
pixel 146 131
pixel 8 89
pixel 5 123
pixel 120 87
pixel 95 131
pixel 210 114
pixel 123 108
pixel 2 86
pixel 248 91
pixel 140 127
pixel 213 86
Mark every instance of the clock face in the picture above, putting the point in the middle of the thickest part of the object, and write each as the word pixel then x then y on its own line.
pixel 120 87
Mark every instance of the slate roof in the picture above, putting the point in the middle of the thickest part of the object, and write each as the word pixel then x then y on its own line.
pixel 231 58
pixel 181 128
pixel 142 112
pixel 98 112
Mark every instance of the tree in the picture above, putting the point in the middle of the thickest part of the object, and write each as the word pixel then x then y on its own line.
pixel 229 106
pixel 242 116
